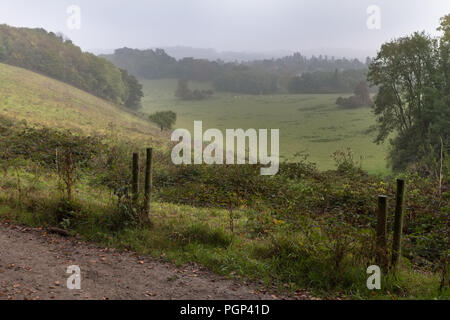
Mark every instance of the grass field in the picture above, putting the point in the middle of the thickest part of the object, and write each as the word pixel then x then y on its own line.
pixel 310 123
pixel 25 95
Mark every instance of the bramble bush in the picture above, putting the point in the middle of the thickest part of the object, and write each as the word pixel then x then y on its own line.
pixel 299 222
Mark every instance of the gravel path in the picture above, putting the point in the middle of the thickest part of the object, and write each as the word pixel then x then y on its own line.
pixel 33 266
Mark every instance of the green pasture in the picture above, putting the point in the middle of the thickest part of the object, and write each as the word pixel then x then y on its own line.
pixel 308 123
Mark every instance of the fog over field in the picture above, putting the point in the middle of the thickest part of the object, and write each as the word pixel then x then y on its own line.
pixel 262 26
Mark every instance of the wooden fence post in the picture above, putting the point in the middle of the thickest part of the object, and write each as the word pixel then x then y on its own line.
pixel 382 258
pixel 148 182
pixel 398 222
pixel 135 183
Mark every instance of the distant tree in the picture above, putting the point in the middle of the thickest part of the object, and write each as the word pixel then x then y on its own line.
pixel 335 79
pixel 147 64
pixel 183 92
pixel 362 92
pixel 361 97
pixel 326 81
pixel 134 89
pixel 242 79
pixel 351 102
pixel 164 119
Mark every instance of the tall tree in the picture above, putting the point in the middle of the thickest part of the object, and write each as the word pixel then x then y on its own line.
pixel 445 27
pixel 411 101
pixel 135 94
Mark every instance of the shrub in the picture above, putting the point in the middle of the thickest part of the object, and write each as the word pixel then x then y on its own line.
pixel 202 233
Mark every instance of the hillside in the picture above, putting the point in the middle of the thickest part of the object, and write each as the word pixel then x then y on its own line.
pixel 25 95
pixel 57 57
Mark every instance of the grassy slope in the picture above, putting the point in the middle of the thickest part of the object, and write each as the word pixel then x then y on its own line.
pixel 307 122
pixel 42 100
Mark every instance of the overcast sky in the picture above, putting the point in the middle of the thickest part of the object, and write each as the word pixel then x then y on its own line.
pixel 235 25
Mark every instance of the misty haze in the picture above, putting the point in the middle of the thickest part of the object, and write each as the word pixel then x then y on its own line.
pixel 227 150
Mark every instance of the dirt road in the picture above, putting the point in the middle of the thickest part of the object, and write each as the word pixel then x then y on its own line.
pixel 33 265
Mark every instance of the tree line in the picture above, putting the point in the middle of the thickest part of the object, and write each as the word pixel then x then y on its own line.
pixel 326 81
pixel 293 74
pixel 183 92
pixel 56 56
